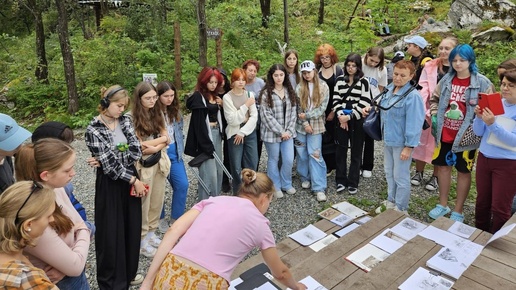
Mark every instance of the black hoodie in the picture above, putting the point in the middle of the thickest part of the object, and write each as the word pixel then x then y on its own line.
pixel 198 139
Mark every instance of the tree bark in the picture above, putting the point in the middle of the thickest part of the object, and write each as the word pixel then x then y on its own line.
pixel 285 20
pixel 265 6
pixel 203 41
pixel 41 55
pixel 177 55
pixel 320 20
pixel 66 51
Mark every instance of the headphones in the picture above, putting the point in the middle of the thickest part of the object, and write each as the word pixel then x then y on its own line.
pixel 105 101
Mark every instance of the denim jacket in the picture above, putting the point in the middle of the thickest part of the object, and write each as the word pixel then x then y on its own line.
pixel 402 124
pixel 177 129
pixel 441 99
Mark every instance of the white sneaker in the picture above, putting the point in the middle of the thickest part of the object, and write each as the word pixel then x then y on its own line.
pixel 278 194
pixel 138 279
pixel 387 205
pixel 305 184
pixel 163 225
pixel 367 173
pixel 148 251
pixel 321 196
pixel 153 239
pixel 291 191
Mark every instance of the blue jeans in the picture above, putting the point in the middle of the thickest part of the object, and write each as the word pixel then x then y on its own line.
pixel 179 182
pixel 309 167
pixel 210 171
pixel 244 155
pixel 74 283
pixel 281 177
pixel 397 173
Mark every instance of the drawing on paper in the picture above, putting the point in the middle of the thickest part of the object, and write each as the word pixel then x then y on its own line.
pixel 448 255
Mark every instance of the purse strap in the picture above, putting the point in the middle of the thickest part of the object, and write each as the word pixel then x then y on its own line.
pixel 397 101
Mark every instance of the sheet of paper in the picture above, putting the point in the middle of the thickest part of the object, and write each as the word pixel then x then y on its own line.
pixel 329 213
pixel 442 237
pixel 319 245
pixel 349 209
pixel 266 286
pixel 388 241
pixel 367 257
pixel 462 230
pixel 346 230
pixel 425 279
pixel 502 232
pixel 311 284
pixel 363 220
pixel 453 262
pixel 408 228
pixel 342 220
pixel 235 282
pixel 308 235
pixel 506 123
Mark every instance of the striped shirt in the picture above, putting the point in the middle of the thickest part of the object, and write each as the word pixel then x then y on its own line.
pixel 358 98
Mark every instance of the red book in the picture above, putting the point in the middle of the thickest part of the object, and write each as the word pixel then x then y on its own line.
pixel 492 101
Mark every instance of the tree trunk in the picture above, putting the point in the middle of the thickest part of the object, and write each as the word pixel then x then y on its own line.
pixel 203 41
pixel 265 6
pixel 66 51
pixel 285 20
pixel 42 65
pixel 177 55
pixel 320 20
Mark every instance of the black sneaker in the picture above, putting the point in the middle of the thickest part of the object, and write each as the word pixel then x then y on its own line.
pixel 432 184
pixel 417 178
pixel 340 187
pixel 352 190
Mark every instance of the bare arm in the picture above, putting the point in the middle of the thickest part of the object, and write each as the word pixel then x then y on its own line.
pixel 176 231
pixel 279 270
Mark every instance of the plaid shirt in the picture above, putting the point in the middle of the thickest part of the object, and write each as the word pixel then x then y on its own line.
pixel 18 275
pixel 116 164
pixel 273 121
pixel 315 116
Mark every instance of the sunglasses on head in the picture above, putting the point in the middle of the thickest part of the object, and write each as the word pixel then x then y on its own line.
pixel 35 186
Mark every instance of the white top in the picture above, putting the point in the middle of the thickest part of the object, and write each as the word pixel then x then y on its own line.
pixel 236 117
pixel 375 76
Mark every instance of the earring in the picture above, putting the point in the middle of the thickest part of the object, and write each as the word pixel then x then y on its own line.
pixel 29 229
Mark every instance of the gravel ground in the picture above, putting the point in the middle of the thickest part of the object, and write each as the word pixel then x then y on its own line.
pixel 287 215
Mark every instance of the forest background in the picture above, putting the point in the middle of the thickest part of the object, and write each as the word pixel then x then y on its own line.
pixel 55 55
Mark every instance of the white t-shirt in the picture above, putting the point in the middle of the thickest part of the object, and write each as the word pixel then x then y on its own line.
pixel 375 76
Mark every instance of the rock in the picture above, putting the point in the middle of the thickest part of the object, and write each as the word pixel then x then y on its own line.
pixel 297 13
pixel 492 35
pixel 467 13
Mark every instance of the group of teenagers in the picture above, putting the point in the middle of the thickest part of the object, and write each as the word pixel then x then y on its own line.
pixel 313 108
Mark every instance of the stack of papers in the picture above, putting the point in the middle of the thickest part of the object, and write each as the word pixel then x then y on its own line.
pixel 388 241
pixel 319 245
pixel 367 257
pixel 408 229
pixel 454 261
pixel 346 230
pixel 349 209
pixel 308 235
pixel 336 217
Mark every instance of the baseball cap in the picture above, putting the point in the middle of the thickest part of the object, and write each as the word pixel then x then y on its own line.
pixel 307 65
pixel 11 134
pixel 50 129
pixel 399 53
pixel 417 40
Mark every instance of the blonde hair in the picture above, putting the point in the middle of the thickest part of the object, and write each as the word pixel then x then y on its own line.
pixel 121 94
pixel 47 154
pixel 13 236
pixel 255 183
pixel 304 92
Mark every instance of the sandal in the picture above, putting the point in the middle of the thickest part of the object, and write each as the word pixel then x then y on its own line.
pixel 439 211
pixel 455 216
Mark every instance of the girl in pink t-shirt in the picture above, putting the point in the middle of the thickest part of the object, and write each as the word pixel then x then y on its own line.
pixel 238 226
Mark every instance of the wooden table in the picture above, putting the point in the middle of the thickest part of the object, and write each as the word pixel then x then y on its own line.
pixel 329 267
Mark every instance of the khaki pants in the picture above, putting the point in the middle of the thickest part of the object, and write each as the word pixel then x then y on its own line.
pixel 152 204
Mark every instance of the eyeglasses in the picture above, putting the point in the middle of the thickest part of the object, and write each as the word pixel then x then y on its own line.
pixel 507 85
pixel 35 187
pixel 325 57
pixel 151 98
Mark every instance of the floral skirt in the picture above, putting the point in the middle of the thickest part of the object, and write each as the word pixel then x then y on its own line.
pixel 174 274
